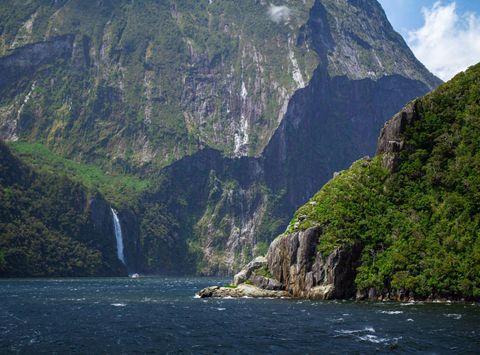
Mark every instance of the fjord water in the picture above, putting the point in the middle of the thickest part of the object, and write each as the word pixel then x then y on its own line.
pixel 121 315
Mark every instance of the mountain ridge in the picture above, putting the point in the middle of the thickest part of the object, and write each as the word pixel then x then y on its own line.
pixel 130 108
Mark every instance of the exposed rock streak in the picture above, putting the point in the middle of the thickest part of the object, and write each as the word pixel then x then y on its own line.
pixel 390 142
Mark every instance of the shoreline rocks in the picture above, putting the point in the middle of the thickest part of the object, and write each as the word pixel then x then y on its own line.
pixel 294 268
pixel 242 290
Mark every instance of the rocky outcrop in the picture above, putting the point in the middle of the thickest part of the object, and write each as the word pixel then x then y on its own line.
pixel 390 142
pixel 242 290
pixel 251 273
pixel 294 266
pixel 295 262
pixel 249 270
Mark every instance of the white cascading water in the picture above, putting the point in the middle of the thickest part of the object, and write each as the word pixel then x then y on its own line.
pixel 118 236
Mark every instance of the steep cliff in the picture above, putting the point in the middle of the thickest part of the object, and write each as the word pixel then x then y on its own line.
pixel 236 112
pixel 404 225
pixel 216 73
pixel 293 260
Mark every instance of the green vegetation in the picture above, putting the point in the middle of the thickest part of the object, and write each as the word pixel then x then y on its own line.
pixel 261 249
pixel 119 189
pixel 419 226
pixel 46 225
pixel 263 271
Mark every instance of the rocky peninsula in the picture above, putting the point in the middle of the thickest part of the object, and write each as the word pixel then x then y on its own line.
pixel 294 268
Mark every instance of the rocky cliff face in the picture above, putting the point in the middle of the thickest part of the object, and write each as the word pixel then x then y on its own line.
pixel 208 73
pixel 319 134
pixel 293 260
pixel 238 111
pixel 294 267
pixel 391 141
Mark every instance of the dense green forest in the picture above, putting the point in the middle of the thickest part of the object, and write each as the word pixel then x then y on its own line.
pixel 51 225
pixel 420 224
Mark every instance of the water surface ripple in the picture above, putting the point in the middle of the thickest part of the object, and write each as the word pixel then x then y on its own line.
pixel 160 315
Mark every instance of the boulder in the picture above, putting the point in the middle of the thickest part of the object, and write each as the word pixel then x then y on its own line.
pixel 266 283
pixel 249 270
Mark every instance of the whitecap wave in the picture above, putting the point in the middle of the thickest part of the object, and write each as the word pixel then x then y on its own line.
pixel 374 339
pixel 410 303
pixel 391 312
pixel 354 331
pixel 453 316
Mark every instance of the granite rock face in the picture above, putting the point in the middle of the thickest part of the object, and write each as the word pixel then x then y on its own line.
pixel 296 267
pixel 390 142
pixel 249 270
pixel 249 274
pixel 25 60
pixel 294 261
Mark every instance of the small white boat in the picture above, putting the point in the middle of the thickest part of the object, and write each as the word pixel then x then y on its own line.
pixel 135 276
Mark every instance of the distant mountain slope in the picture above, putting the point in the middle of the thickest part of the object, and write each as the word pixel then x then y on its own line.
pixel 246 202
pixel 149 82
pixel 235 111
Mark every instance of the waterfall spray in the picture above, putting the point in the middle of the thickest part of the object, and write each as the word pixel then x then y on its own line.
pixel 118 236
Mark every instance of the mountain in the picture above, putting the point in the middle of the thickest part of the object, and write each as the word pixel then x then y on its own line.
pixel 233 112
pixel 403 225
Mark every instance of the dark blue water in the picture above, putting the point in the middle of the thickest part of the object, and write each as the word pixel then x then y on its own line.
pixel 160 315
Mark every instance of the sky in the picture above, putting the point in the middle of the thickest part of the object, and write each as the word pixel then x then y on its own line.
pixel 444 35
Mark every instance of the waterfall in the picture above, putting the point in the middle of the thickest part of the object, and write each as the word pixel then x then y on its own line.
pixel 118 236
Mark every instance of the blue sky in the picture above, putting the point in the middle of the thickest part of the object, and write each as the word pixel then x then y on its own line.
pixel 406 15
pixel 444 35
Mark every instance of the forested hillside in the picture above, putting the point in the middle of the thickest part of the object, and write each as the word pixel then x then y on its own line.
pixel 51 225
pixel 415 207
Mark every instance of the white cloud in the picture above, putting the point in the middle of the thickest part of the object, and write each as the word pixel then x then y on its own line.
pixel 448 42
pixel 279 13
